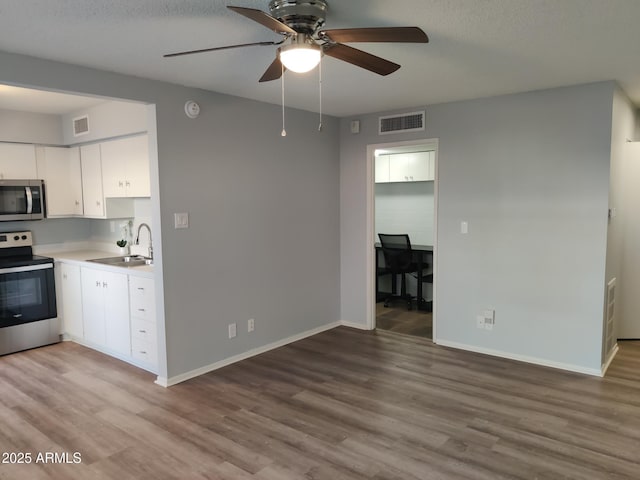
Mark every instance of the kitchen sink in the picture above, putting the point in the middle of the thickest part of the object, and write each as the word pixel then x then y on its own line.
pixel 125 261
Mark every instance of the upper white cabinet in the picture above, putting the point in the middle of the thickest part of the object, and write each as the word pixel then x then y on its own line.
pixel 405 167
pixel 382 169
pixel 17 161
pixel 60 169
pixel 92 180
pixel 95 203
pixel 125 167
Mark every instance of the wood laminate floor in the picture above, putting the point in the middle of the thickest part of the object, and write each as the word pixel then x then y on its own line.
pixel 396 318
pixel 343 404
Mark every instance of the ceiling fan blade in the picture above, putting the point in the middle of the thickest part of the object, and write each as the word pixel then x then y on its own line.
pixel 264 19
pixel 220 48
pixel 274 71
pixel 361 59
pixel 382 34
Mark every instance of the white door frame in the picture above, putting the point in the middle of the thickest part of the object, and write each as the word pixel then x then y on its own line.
pixel 370 223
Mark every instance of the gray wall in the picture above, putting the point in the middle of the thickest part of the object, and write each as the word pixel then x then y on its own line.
pixel 264 212
pixel 529 173
pixel 27 127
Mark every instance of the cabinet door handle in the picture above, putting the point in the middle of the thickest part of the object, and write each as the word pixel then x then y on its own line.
pixel 143 352
pixel 142 331
pixel 120 183
pixel 64 275
pixel 98 202
pixel 128 183
pixel 140 288
pixel 141 310
pixel 97 283
pixel 105 284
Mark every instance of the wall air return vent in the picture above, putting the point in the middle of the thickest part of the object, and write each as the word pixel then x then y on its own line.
pixel 81 125
pixel 408 122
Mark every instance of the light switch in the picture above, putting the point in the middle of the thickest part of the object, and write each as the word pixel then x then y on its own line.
pixel 181 220
pixel 464 228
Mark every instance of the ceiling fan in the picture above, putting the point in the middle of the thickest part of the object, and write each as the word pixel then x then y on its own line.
pixel 300 23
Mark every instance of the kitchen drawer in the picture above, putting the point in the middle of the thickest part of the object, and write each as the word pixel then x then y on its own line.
pixel 144 330
pixel 145 311
pixel 141 288
pixel 144 352
pixel 141 293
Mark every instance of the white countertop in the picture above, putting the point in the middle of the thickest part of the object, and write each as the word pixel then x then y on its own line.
pixel 80 257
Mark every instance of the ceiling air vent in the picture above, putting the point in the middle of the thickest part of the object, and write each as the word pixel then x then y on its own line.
pixel 408 122
pixel 81 125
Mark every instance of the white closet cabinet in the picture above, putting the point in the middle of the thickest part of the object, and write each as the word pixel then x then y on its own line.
pixel 381 166
pixel 405 167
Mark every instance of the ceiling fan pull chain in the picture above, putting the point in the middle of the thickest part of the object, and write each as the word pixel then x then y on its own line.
pixel 284 132
pixel 320 75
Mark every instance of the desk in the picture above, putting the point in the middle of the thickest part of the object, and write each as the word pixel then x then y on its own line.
pixel 423 255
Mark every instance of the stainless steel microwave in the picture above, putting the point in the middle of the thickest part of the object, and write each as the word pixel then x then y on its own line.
pixel 21 200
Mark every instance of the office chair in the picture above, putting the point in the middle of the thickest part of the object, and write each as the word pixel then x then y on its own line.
pixel 398 259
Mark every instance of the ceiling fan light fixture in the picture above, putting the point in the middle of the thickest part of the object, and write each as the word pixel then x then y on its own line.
pixel 300 57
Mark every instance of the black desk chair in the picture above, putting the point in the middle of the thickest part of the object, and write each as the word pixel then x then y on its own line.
pixel 398 259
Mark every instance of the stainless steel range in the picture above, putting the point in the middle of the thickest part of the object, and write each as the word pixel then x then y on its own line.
pixel 28 315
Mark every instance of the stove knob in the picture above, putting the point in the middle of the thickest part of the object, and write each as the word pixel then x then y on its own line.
pixel 24 237
pixel 16 237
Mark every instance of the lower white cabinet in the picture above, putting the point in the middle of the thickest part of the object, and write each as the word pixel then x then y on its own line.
pixel 111 312
pixel 105 310
pixel 71 299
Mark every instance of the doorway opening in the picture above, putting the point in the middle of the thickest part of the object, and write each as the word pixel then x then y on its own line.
pixel 402 200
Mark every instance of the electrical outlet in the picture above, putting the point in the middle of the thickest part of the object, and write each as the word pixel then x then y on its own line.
pixel 251 325
pixel 232 330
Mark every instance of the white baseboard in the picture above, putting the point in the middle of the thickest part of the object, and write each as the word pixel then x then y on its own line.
pixel 167 382
pixel 359 326
pixel 612 355
pixel 523 358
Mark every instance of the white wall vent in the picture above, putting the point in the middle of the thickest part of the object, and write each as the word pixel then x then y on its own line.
pixel 81 125
pixel 610 341
pixel 408 122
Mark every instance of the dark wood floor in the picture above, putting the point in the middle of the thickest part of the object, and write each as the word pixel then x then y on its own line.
pixel 343 404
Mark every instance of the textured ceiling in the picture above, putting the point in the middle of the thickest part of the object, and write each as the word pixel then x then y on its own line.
pixel 478 48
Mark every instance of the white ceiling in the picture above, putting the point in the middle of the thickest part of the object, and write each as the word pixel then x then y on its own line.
pixel 477 48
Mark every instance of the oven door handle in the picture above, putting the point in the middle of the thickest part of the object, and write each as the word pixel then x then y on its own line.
pixel 26 268
pixel 29 200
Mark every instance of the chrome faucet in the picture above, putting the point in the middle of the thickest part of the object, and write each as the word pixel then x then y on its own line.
pixel 137 242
